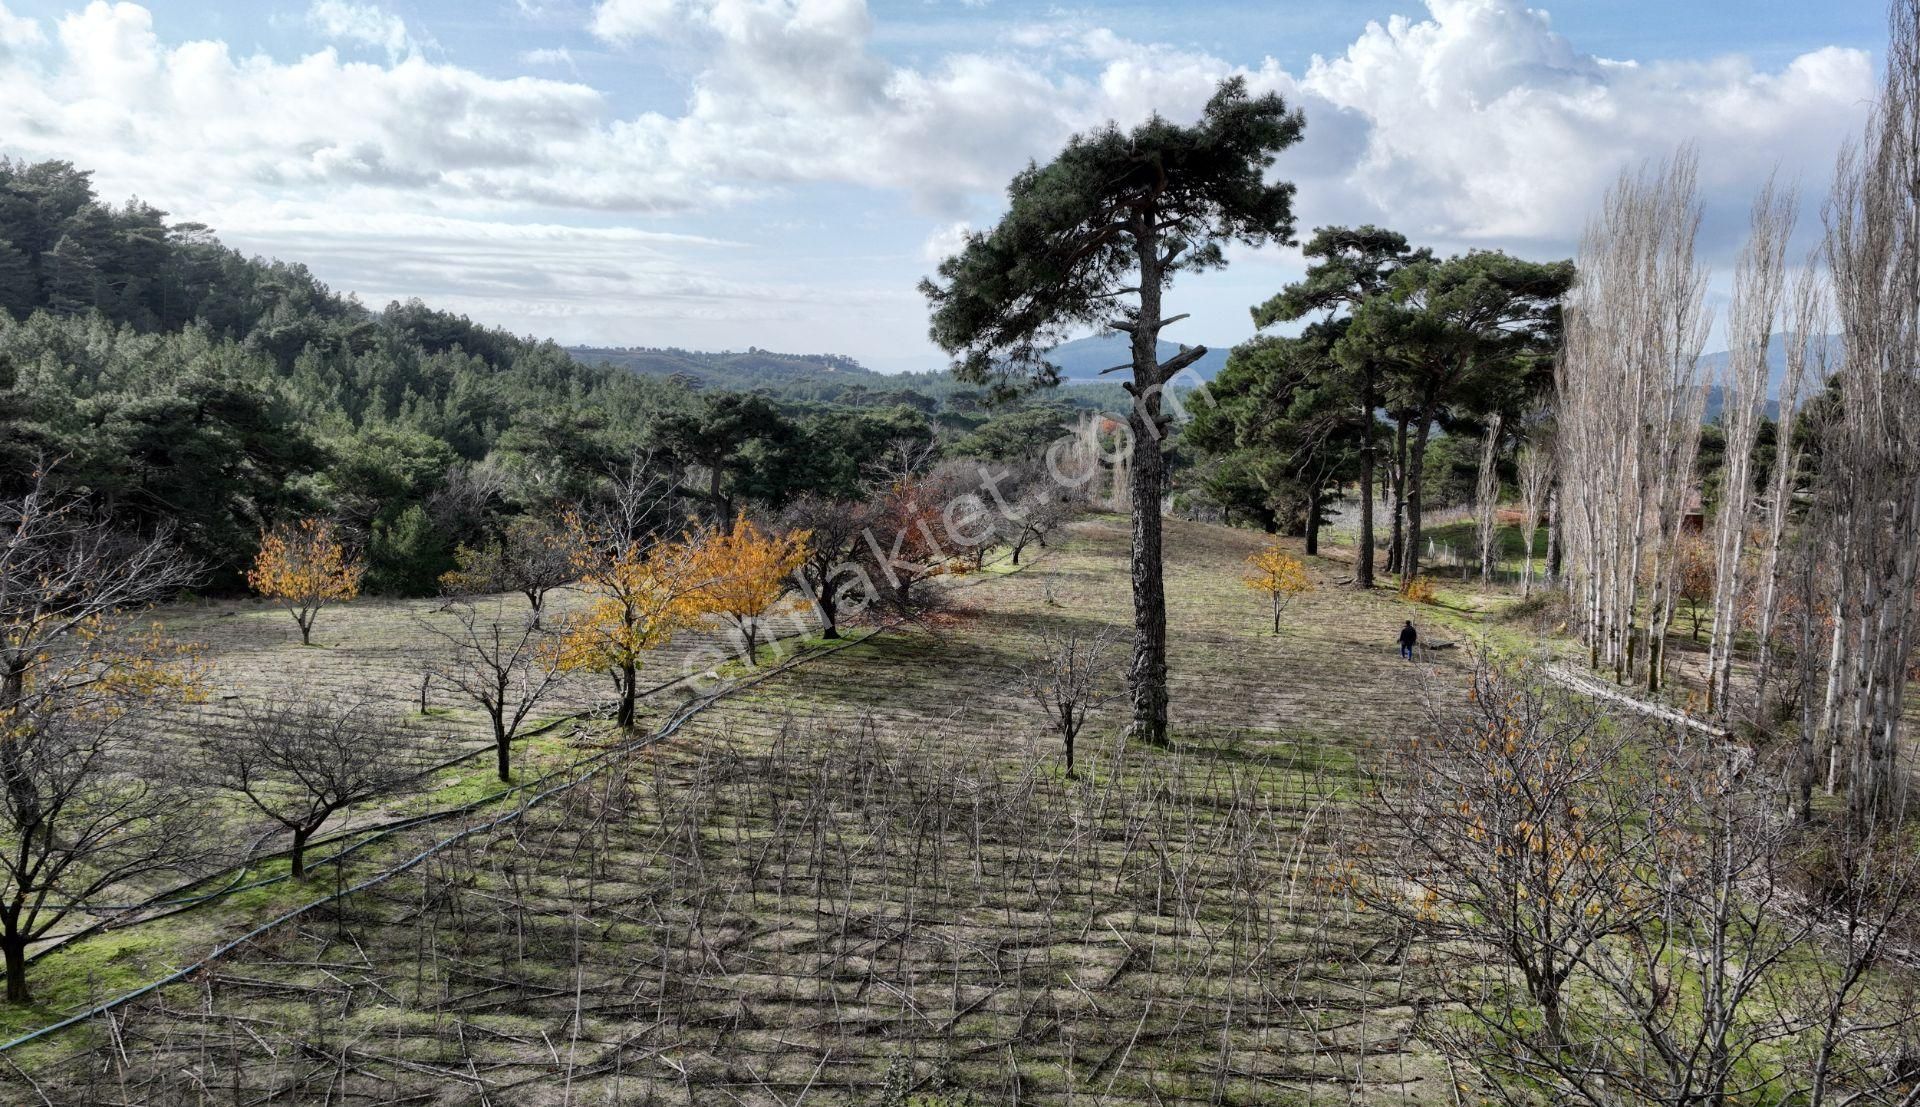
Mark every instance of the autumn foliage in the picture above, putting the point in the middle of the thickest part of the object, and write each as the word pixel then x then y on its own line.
pixel 746 572
pixel 1277 575
pixel 306 566
pixel 642 593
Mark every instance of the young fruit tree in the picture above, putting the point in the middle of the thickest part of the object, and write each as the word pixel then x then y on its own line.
pixel 300 762
pixel 533 556
pixel 747 572
pixel 90 808
pixel 305 567
pixel 1069 676
pixel 1093 239
pixel 836 531
pixel 642 592
pixel 1278 576
pixel 504 665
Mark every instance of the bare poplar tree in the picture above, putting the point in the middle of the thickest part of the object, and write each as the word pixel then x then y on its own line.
pixel 1806 355
pixel 1871 455
pixel 300 762
pixel 1535 462
pixel 1486 496
pixel 1631 400
pixel 505 666
pixel 1758 280
pixel 1070 675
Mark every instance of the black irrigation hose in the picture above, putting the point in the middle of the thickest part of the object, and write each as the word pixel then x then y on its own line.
pixel 603 760
pixel 171 902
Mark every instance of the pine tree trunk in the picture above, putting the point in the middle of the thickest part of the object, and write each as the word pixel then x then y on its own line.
pixel 1147 676
pixel 1397 543
pixel 1363 556
pixel 1314 496
pixel 1416 462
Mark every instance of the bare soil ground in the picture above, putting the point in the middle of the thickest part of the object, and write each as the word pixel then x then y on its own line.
pixel 863 879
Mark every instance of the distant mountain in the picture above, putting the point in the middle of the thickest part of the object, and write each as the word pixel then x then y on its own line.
pixel 1081 360
pixel 1715 365
pixel 751 368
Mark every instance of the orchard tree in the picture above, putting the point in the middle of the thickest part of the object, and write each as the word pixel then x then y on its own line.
pixel 505 666
pixel 305 567
pixel 299 763
pixel 89 805
pixel 69 582
pixel 1093 239
pixel 642 593
pixel 1068 677
pixel 533 557
pixel 1278 576
pixel 1349 264
pixel 836 532
pixel 746 572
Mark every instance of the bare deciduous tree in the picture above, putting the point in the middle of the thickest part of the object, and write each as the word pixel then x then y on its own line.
pixel 506 666
pixel 67 579
pixel 1069 675
pixel 533 556
pixel 1870 501
pixel 87 810
pixel 300 762
pixel 1536 480
pixel 1486 497
pixel 832 566
pixel 1630 404
pixel 1758 280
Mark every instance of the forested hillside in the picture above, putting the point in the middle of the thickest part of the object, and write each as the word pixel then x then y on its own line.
pixel 181 383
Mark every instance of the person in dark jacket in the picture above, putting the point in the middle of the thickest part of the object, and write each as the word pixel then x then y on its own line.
pixel 1409 637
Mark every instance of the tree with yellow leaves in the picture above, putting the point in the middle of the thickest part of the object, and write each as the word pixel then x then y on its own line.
pixel 1277 575
pixel 747 572
pixel 306 566
pixel 642 593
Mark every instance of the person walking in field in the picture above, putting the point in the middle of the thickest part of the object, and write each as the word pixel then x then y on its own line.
pixel 1409 637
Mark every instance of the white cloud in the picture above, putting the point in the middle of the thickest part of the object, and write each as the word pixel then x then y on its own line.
pixel 1478 125
pixel 626 20
pixel 554 55
pixel 367 24
pixel 17 32
pixel 1483 123
pixel 945 242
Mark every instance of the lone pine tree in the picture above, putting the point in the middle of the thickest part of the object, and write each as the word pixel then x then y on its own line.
pixel 1093 238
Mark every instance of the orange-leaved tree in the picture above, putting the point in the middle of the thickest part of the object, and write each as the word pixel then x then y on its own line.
pixel 747 572
pixel 643 591
pixel 1277 575
pixel 306 566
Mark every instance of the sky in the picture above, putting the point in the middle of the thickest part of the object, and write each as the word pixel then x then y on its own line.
pixel 719 174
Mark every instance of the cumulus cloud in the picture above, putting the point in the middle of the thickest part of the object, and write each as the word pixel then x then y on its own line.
pixel 17 32
pixel 367 24
pixel 1476 125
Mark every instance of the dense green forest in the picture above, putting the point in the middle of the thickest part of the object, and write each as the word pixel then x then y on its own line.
pixel 178 382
